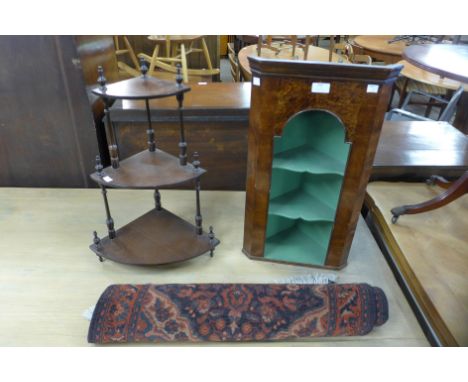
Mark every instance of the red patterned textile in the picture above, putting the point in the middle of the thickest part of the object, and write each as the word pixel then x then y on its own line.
pixel 235 312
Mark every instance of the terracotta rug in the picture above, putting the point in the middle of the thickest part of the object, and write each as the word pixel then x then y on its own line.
pixel 235 312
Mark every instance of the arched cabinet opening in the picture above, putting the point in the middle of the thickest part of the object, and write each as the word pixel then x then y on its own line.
pixel 309 162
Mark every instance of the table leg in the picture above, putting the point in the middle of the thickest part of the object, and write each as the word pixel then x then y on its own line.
pixel 456 190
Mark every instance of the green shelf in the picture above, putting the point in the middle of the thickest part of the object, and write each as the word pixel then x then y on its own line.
pixel 309 162
pixel 302 242
pixel 299 205
pixel 304 196
pixel 307 159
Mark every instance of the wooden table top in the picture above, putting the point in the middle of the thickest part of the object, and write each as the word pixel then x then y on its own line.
pixel 211 95
pixel 314 54
pixel 430 251
pixel 420 149
pixel 380 44
pixel 413 72
pixel 49 313
pixel 446 60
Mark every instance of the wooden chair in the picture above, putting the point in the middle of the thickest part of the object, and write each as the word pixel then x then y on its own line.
pixel 404 86
pixel 128 50
pixel 361 59
pixel 346 49
pixel 279 43
pixel 177 48
pixel 446 115
pixel 234 63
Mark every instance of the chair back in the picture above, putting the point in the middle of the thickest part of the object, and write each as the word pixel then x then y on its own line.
pixel 361 59
pixel 451 106
pixel 233 62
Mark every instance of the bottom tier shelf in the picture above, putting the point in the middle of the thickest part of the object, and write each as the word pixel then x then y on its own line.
pixel 155 238
pixel 296 245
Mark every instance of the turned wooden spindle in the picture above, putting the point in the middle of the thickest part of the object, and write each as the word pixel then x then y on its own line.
pixel 99 167
pixel 212 244
pixel 180 100
pixel 198 217
pixel 143 67
pixel 157 199
pixel 101 79
pixel 150 130
pixel 109 220
pixel 109 128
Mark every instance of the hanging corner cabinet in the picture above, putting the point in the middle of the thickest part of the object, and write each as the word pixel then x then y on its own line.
pixel 314 129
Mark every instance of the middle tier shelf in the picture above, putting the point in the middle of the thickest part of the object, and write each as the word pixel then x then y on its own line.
pixel 148 170
pixel 301 205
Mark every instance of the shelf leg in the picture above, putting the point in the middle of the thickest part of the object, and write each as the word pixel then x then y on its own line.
pixel 109 220
pixel 198 217
pixel 150 131
pixel 180 100
pixel 157 199
pixel 109 128
pixel 97 243
pixel 211 236
pixel 113 151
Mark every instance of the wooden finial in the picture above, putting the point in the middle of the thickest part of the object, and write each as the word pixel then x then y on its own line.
pixel 96 239
pixel 143 67
pixel 101 79
pixel 195 161
pixel 179 77
pixel 98 167
pixel 211 236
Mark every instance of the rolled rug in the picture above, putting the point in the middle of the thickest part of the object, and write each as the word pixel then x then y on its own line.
pixel 235 312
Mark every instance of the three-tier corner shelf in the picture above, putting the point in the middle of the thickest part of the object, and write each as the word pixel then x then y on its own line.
pixel 157 237
pixel 313 132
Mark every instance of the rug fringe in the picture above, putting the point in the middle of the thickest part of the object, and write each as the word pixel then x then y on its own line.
pixel 88 313
pixel 316 278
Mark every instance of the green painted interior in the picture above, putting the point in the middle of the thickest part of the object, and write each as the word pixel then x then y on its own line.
pixel 309 162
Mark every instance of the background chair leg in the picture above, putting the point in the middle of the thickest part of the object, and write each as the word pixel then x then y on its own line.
pixel 183 58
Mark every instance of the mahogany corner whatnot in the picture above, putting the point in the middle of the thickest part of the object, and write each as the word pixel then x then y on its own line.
pixel 313 133
pixel 159 236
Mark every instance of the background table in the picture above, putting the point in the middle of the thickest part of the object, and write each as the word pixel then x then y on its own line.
pixel 445 60
pixel 415 150
pixel 379 49
pixel 413 72
pixel 314 54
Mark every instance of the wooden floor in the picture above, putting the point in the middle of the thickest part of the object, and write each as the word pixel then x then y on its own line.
pixel 431 251
pixel 49 276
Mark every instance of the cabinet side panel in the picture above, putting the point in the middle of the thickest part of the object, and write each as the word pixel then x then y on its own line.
pixel 364 145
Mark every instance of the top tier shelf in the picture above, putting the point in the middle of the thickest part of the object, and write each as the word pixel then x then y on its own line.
pixel 143 87
pixel 148 170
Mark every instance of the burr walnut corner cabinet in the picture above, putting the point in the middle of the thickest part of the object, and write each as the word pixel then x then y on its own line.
pixel 313 132
pixel 159 236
